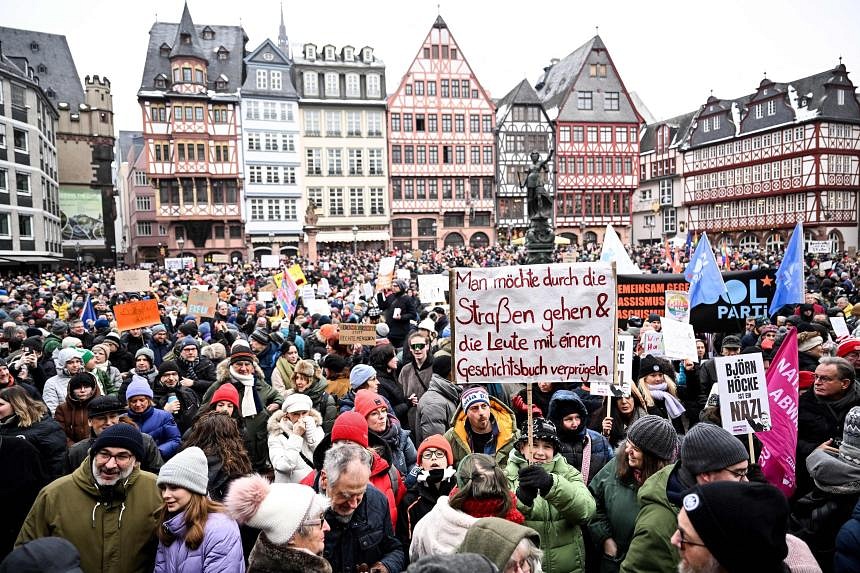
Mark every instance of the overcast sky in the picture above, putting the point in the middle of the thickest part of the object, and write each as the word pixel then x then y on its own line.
pixel 672 53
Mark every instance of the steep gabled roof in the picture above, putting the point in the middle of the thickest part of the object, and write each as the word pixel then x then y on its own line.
pixel 555 83
pixel 678 127
pixel 279 61
pixel 185 41
pixel 523 94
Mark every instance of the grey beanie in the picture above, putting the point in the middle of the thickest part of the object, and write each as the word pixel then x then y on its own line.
pixel 654 435
pixel 472 562
pixel 158 328
pixel 145 352
pixel 708 448
pixel 59 328
pixel 187 469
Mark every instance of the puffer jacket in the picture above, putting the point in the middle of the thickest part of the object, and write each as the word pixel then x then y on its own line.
pixel 415 379
pixel 292 455
pixel 221 549
pixel 574 444
pixel 72 416
pixel 113 535
pixel 503 428
pixel 161 427
pixel 847 559
pixel 615 516
pixel 560 516
pixel 54 392
pixel 436 407
pixel 440 531
pixel 46 435
pixel 256 435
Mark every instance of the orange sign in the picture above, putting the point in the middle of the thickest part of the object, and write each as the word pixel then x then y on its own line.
pixel 136 314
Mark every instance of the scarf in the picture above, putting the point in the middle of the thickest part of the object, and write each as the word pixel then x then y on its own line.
pixel 190 367
pixel 249 400
pixel 673 406
pixel 490 508
pixel 102 367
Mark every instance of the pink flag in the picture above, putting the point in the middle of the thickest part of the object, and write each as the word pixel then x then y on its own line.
pixel 779 445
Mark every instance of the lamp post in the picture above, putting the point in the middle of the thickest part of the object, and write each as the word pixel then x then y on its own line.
pixel 180 242
pixel 435 242
pixel 78 255
pixel 354 240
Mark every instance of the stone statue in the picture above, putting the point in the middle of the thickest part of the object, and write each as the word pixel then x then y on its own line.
pixel 311 214
pixel 538 199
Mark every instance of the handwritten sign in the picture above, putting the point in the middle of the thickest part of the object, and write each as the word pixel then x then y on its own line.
pixel 818 247
pixel 623 370
pixel 202 303
pixel 132 281
pixel 270 261
pixel 308 293
pixel 678 305
pixel 136 314
pixel 744 405
pixel 432 288
pixel 297 275
pixel 679 340
pixel 385 278
pixel 364 334
pixel 537 322
pixel 652 343
pixel 265 296
pixel 318 306
pixel 220 259
pixel 174 264
pixel 840 328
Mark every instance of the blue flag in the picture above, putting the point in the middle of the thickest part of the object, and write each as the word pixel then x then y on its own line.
pixel 789 276
pixel 706 282
pixel 89 314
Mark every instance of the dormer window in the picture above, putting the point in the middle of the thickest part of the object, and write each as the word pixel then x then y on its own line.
pixel 311 52
pixel 51 93
pixel 223 53
pixel 348 55
pixel 42 69
pixel 164 50
pixel 185 39
pixel 221 82
pixel 34 46
pixel 329 53
pixel 160 81
pixel 208 33
pixel 367 55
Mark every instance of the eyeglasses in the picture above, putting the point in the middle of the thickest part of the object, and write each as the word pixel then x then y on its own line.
pixel 418 346
pixel 740 474
pixel 433 455
pixel 314 522
pixel 825 378
pixel 684 541
pixel 521 565
pixel 120 458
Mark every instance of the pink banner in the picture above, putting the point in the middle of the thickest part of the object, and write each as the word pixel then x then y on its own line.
pixel 779 445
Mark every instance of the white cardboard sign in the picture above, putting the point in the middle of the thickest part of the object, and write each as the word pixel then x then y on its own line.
pixel 744 406
pixel 623 370
pixel 432 288
pixel 679 340
pixel 840 328
pixel 270 261
pixel 652 343
pixel 132 281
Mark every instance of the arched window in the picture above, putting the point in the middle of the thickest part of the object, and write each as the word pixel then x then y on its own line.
pixel 837 243
pixel 479 240
pixel 574 240
pixel 774 242
pixel 749 241
pixel 454 240
pixel 236 257
pixel 590 237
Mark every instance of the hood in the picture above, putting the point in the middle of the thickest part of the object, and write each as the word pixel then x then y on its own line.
pixel 63 356
pixel 832 474
pixel 223 371
pixel 447 389
pixel 572 401
pixel 70 397
pixel 83 478
pixel 503 415
pixel 274 427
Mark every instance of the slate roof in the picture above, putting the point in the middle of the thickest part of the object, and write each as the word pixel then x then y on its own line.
pixel 280 61
pixel 523 94
pixel 61 77
pixel 186 28
pixel 553 86
pixel 678 127
pixel 125 141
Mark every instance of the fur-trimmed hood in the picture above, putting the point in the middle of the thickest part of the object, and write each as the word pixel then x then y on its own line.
pixel 275 427
pixel 267 557
pixel 223 371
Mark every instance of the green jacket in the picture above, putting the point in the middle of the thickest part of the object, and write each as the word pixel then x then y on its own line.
pixel 651 548
pixel 458 437
pixel 111 536
pixel 256 434
pixel 558 517
pixel 615 517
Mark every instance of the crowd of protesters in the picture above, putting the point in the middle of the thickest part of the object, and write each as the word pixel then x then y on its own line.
pixel 251 441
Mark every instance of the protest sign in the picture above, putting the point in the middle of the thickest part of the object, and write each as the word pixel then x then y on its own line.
pixel 432 288
pixel 534 323
pixel 569 257
pixel 679 340
pixel 270 261
pixel 818 247
pixel 132 281
pixel 221 259
pixel 825 265
pixel 403 274
pixel 351 333
pixel 265 296
pixel 840 328
pixel 173 264
pixel 385 277
pixel 318 306
pixel 744 406
pixel 270 287
pixel 308 293
pixel 298 276
pixel 146 266
pixel 678 305
pixel 652 343
pixel 136 314
pixel 623 370
pixel 202 303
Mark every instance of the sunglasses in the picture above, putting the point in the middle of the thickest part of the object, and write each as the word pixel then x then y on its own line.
pixel 418 346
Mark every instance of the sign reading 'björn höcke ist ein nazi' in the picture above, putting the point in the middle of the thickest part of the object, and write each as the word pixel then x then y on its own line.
pixel 534 323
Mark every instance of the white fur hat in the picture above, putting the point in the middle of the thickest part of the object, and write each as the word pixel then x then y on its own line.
pixel 296 402
pixel 277 509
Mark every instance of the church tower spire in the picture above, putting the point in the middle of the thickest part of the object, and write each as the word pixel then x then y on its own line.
pixel 283 42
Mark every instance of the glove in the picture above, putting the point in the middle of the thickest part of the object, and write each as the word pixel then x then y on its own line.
pixel 526 494
pixel 536 477
pixel 520 405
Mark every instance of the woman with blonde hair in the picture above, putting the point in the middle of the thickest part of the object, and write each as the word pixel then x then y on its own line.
pixel 23 417
pixel 659 391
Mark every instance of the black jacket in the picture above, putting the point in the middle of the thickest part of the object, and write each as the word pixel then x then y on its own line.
pixel 189 404
pixel 398 328
pixel 367 538
pixel 203 373
pixel 418 502
pixel 48 437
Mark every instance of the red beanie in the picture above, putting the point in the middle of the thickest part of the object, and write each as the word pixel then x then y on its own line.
pixel 438 442
pixel 806 379
pixel 350 426
pixel 847 346
pixel 366 401
pixel 226 393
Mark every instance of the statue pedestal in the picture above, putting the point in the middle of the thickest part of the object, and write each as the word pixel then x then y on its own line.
pixel 309 248
pixel 540 241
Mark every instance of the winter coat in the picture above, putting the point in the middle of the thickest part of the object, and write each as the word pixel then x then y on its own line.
pixel 267 359
pixel 203 372
pixel 390 389
pixel 436 407
pixel 282 375
pixel 574 444
pixel 421 499
pixel 338 384
pixel 162 427
pixel 46 435
pixel 56 388
pixel 415 380
pixel 20 482
pixel 113 535
pixel 292 455
pixel 159 350
pixel 503 429
pixel 149 376
pixel 403 454
pixel 110 379
pixel 188 403
pixel 615 516
pixel 440 531
pixel 134 343
pixel 398 328
pixel 72 417
pixel 368 537
pixel 323 402
pixel 221 549
pixel 651 548
pixel 151 462
pixel 847 559
pixel 558 517
pixel 267 557
pixel 256 435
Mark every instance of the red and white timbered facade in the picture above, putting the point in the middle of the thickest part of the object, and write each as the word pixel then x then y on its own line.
pixel 441 150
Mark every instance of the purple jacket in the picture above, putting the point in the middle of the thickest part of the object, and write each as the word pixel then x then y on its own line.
pixel 221 549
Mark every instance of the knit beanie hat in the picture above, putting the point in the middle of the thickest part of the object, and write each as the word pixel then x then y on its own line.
pixel 440 443
pixel 59 328
pixel 146 353
pixel 366 401
pixel 66 355
pixel 188 469
pixel 708 448
pixel 656 436
pixel 226 393
pixel 113 338
pixel 277 509
pixel 650 364
pixel 496 539
pixel 849 449
pixel 120 436
pixel 138 387
pixel 105 405
pixel 807 343
pixel 742 524
pixel 105 348
pixel 69 342
pixel 382 330
pixel 101 323
pixel 360 374
pixel 474 396
pixel 442 365
pixel 471 562
pixel 260 336
pixel 296 402
pixel 82 379
pixel 43 555
pixel 167 366
pixel 542 429
pixel 242 353
pixel 158 328
pixel 350 426
pixel 185 342
pixel 847 346
pixel 86 354
pixel 805 379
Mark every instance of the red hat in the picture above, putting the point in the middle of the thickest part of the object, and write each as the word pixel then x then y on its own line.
pixel 440 443
pixel 805 379
pixel 366 401
pixel 226 393
pixel 350 426
pixel 847 346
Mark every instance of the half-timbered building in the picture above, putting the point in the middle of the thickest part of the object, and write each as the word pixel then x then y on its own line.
pixel 441 150
pixel 189 99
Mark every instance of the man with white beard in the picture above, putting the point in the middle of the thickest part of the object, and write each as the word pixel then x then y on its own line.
pixel 106 508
